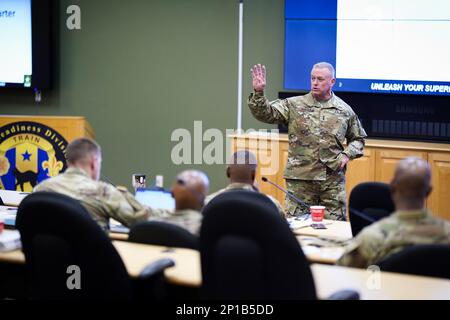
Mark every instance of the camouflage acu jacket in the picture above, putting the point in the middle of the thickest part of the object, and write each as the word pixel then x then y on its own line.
pixel 392 234
pixel 102 200
pixel 317 132
pixel 188 219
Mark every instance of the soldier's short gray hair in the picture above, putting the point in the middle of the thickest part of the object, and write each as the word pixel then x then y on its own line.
pixel 327 65
pixel 80 149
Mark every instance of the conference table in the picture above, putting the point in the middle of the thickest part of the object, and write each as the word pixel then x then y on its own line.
pixel 319 245
pixel 137 256
pixel 328 279
pixel 322 245
pixel 316 244
pixel 372 285
pixel 339 230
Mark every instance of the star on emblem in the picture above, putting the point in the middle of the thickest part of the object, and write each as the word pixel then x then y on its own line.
pixel 26 156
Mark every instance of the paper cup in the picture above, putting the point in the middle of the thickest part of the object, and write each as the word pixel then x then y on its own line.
pixel 317 213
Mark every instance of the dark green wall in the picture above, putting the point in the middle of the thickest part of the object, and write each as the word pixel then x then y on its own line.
pixel 142 68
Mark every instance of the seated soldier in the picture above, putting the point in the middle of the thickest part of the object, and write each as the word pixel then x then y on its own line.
pixel 81 181
pixel 189 190
pixel 410 224
pixel 242 171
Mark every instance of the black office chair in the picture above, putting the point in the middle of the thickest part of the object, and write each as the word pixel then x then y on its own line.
pixel 170 235
pixel 431 260
pixel 248 251
pixel 61 241
pixel 369 202
pixel 163 234
pixel 359 220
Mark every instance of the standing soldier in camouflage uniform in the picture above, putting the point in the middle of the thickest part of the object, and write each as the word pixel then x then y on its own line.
pixel 318 125
pixel 410 224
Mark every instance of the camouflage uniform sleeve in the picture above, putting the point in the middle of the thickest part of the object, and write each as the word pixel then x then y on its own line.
pixel 364 249
pixel 355 139
pixel 123 207
pixel 161 214
pixel 270 112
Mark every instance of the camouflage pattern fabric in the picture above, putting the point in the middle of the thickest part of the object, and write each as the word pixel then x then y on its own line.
pixel 244 186
pixel 392 234
pixel 102 200
pixel 188 219
pixel 317 132
pixel 329 193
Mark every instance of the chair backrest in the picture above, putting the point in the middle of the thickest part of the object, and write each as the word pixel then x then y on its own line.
pixel 248 251
pixel 359 220
pixel 372 198
pixel 369 202
pixel 431 260
pixel 163 234
pixel 57 232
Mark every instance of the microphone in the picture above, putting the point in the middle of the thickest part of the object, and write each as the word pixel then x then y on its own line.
pixel 289 194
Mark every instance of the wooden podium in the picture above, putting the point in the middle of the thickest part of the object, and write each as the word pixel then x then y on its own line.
pixel 69 127
pixel 32 148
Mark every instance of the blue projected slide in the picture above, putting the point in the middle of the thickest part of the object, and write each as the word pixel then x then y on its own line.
pixel 16 42
pixel 389 46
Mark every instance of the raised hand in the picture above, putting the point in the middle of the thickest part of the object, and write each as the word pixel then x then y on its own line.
pixel 259 77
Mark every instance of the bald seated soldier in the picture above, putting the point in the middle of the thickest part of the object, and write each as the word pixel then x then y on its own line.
pixel 410 224
pixel 81 181
pixel 189 190
pixel 242 171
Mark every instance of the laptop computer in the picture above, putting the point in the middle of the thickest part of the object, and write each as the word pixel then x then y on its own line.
pixel 12 198
pixel 155 198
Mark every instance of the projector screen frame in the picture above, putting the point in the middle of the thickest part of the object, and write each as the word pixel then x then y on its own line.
pixel 41 22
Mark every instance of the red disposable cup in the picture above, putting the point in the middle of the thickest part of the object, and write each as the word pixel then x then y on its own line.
pixel 2 225
pixel 317 213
